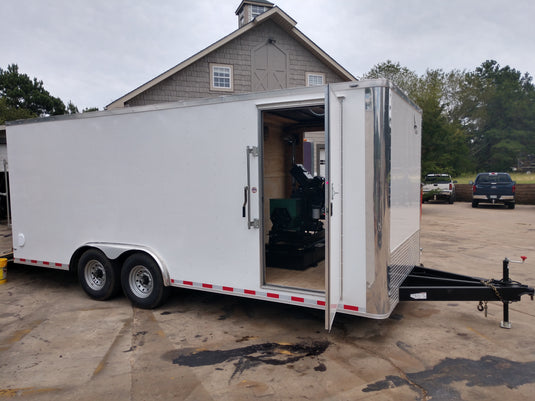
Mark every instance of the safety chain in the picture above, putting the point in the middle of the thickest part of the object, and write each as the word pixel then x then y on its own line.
pixel 483 304
pixel 483 307
pixel 488 283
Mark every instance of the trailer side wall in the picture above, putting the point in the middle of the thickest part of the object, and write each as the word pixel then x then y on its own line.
pixel 171 180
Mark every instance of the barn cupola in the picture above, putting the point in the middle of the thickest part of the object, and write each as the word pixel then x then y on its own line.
pixel 249 10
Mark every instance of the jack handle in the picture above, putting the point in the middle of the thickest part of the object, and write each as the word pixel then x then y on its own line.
pixel 506 262
pixel 516 261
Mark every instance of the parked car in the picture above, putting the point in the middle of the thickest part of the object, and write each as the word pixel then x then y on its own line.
pixel 494 188
pixel 438 186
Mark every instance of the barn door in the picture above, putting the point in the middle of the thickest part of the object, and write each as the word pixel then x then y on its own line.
pixel 270 68
pixel 333 205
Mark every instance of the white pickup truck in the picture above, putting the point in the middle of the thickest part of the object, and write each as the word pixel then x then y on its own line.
pixel 438 186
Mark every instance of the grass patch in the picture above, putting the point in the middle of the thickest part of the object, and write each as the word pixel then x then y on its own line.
pixel 520 178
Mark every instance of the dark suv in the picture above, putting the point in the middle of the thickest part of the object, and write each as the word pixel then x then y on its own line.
pixel 495 188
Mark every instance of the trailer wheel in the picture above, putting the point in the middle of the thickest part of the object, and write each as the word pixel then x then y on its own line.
pixel 142 281
pixel 98 276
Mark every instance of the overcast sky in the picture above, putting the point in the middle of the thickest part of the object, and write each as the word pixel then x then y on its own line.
pixel 92 52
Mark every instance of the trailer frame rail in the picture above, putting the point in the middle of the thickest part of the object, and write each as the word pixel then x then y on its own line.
pixel 425 284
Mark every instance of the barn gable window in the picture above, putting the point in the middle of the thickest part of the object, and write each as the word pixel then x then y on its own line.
pixel 315 79
pixel 221 77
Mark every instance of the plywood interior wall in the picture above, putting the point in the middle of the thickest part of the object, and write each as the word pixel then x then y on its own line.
pixel 277 154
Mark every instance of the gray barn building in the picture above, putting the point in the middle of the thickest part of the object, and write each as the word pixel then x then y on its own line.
pixel 266 52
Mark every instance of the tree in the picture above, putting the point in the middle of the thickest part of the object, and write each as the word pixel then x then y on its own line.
pixel 71 108
pixel 497 110
pixel 444 146
pixel 406 79
pixel 24 97
pixel 8 113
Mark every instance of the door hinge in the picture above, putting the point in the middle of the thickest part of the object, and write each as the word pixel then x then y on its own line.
pixel 254 224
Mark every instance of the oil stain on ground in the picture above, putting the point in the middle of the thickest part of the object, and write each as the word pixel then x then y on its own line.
pixel 254 355
pixel 489 371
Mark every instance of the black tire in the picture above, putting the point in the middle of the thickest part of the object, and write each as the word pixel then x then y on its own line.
pixel 451 199
pixel 474 204
pixel 98 276
pixel 511 205
pixel 142 281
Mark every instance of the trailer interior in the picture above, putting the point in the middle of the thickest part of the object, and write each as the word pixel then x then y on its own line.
pixel 293 182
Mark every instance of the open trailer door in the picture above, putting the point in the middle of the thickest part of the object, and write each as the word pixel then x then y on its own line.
pixel 333 205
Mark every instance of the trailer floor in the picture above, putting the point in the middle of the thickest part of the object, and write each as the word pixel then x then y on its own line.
pixel 56 344
pixel 312 278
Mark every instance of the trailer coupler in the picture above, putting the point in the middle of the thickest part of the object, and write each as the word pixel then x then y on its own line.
pixel 424 284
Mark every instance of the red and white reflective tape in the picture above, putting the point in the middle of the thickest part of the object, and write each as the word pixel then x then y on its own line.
pixel 291 299
pixel 41 263
pixel 266 295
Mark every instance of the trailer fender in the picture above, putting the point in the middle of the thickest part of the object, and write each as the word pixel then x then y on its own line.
pixel 114 251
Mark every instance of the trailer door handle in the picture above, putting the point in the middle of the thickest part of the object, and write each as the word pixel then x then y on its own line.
pixel 245 192
pixel 250 151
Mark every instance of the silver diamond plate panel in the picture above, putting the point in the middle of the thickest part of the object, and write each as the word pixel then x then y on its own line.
pixel 402 260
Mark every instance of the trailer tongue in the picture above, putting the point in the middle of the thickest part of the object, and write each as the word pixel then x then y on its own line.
pixel 424 284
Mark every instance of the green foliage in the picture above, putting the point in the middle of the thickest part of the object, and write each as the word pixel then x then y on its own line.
pixel 444 147
pixel 71 108
pixel 23 97
pixel 406 79
pixel 497 108
pixel 482 120
pixel 8 113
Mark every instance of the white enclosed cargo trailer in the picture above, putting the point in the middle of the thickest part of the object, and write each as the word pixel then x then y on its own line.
pixel 213 195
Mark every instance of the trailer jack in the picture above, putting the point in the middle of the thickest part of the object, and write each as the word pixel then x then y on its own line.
pixel 424 284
